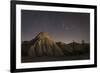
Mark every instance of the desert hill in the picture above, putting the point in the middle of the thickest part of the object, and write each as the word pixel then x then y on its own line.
pixel 44 46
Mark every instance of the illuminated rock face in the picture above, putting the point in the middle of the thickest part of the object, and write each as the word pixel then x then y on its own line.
pixel 43 45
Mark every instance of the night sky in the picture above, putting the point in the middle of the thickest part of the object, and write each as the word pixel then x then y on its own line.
pixel 61 26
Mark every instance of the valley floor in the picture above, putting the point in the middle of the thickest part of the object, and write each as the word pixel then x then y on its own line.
pixel 46 59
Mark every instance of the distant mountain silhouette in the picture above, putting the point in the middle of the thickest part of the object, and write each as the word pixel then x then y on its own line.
pixel 44 46
pixel 74 48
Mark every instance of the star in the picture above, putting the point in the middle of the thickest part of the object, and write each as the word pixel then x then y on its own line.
pixel 65 27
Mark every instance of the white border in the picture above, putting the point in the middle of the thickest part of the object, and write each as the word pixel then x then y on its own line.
pixel 20 65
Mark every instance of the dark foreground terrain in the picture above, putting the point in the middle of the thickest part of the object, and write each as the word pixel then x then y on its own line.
pixel 46 59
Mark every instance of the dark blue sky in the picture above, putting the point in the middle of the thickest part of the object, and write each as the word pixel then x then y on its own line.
pixel 61 26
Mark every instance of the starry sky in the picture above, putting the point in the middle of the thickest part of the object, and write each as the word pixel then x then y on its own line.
pixel 61 26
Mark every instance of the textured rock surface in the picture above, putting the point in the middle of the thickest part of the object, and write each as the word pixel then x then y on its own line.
pixel 43 45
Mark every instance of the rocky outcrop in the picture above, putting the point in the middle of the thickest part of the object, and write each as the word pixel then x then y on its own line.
pixel 43 45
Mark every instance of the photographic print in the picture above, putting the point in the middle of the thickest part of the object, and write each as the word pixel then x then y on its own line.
pixel 52 36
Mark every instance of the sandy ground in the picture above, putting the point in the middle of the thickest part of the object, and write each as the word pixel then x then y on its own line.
pixel 45 59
